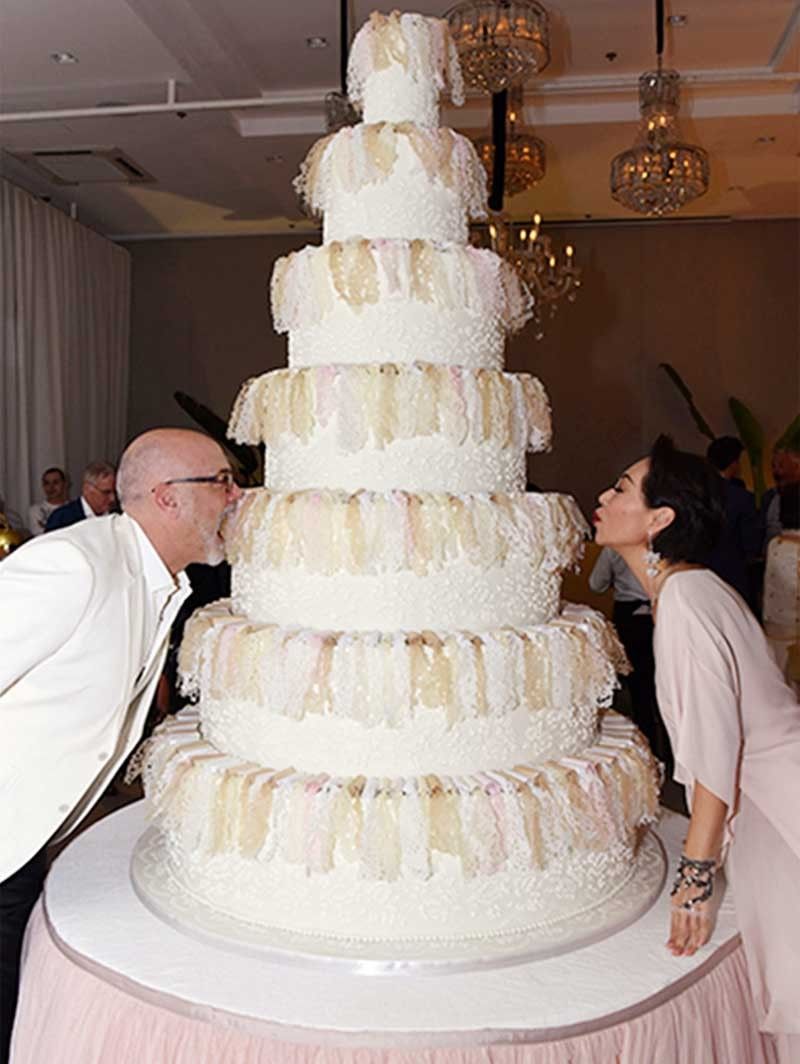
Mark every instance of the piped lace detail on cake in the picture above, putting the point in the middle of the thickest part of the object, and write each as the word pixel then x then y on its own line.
pixel 388 678
pixel 307 284
pixel 421 47
pixel 525 817
pixel 374 405
pixel 346 161
pixel 371 532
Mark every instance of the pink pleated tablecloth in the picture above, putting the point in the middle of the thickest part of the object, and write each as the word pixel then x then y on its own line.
pixel 106 982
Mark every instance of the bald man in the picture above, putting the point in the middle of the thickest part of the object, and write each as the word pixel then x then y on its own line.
pixel 84 625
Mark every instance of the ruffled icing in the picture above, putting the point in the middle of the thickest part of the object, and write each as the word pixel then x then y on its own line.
pixel 526 816
pixel 307 284
pixel 370 532
pixel 421 47
pixel 389 678
pixel 374 405
pixel 344 162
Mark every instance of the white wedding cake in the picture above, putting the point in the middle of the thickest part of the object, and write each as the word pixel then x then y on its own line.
pixel 400 733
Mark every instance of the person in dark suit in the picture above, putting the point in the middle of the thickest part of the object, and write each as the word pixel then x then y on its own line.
pixel 742 537
pixel 98 497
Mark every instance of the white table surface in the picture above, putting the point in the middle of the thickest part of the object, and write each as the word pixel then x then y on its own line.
pixel 99 920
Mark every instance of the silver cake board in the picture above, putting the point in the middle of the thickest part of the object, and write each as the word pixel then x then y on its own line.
pixel 159 890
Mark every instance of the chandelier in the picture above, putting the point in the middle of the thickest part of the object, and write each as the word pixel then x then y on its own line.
pixel 500 43
pixel 548 275
pixel 659 174
pixel 525 160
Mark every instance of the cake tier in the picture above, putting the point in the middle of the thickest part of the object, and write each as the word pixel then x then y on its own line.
pixel 394 181
pixel 397 301
pixel 396 560
pixel 399 703
pixel 401 858
pixel 398 66
pixel 417 427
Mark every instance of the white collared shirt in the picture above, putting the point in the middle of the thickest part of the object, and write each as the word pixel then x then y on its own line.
pixel 87 510
pixel 166 594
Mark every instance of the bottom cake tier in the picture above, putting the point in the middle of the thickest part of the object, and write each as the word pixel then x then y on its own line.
pixel 414 859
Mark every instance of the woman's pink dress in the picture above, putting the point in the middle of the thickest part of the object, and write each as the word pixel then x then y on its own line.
pixel 735 727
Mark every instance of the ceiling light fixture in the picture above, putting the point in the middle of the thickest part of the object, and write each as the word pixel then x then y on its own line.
pixel 316 42
pixel 550 277
pixel 500 43
pixel 525 160
pixel 659 174
pixel 64 58
pixel 678 20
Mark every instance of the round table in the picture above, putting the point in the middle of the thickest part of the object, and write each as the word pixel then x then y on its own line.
pixel 106 980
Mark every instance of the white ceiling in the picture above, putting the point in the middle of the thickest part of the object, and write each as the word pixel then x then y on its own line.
pixel 229 171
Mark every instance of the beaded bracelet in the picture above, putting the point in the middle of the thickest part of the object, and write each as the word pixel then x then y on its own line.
pixel 697 874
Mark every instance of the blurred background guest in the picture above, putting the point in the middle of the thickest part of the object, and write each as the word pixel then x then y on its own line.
pixel 54 486
pixel 785 471
pixel 742 538
pixel 782 586
pixel 98 497
pixel 633 620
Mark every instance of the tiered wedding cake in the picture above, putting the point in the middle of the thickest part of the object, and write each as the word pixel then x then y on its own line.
pixel 399 735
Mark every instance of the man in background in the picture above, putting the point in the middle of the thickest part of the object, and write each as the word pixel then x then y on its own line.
pixel 785 472
pixel 742 538
pixel 54 486
pixel 83 630
pixel 97 498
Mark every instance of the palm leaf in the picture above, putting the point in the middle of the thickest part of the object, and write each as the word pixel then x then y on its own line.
pixel 752 436
pixel 790 439
pixel 683 388
pixel 248 459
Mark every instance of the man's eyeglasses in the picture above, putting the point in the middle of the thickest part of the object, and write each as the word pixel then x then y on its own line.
pixel 224 479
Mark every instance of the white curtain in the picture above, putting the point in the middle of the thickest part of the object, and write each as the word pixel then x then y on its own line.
pixel 64 316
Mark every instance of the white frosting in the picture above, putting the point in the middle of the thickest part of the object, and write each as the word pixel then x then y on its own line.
pixel 436 774
pixel 368 301
pixel 427 744
pixel 414 465
pixel 342 904
pixel 407 204
pixel 399 332
pixel 399 64
pixel 461 596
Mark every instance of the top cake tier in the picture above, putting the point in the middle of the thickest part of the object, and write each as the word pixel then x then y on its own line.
pixel 399 65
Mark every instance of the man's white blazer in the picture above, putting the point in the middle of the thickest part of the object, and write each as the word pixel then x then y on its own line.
pixel 74 685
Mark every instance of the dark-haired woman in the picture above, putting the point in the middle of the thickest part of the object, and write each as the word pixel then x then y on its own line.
pixel 733 723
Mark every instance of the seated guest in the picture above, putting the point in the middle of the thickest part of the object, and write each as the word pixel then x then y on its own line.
pixel 782 586
pixel 54 486
pixel 98 497
pixel 741 540
pixel 84 630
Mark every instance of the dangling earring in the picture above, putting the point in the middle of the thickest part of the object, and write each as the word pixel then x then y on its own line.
pixel 652 559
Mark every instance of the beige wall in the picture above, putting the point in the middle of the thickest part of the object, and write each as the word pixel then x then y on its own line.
pixel 717 300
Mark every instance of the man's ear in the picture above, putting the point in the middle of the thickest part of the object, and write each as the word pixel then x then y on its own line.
pixel 166 499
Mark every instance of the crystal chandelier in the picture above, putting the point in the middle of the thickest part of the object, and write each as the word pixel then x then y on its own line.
pixel 548 275
pixel 525 160
pixel 659 174
pixel 500 43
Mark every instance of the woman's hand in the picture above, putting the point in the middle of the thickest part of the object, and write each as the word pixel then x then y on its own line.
pixel 693 913
pixel 691 921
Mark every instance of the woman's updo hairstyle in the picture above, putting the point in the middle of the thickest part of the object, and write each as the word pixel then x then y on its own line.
pixel 690 486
